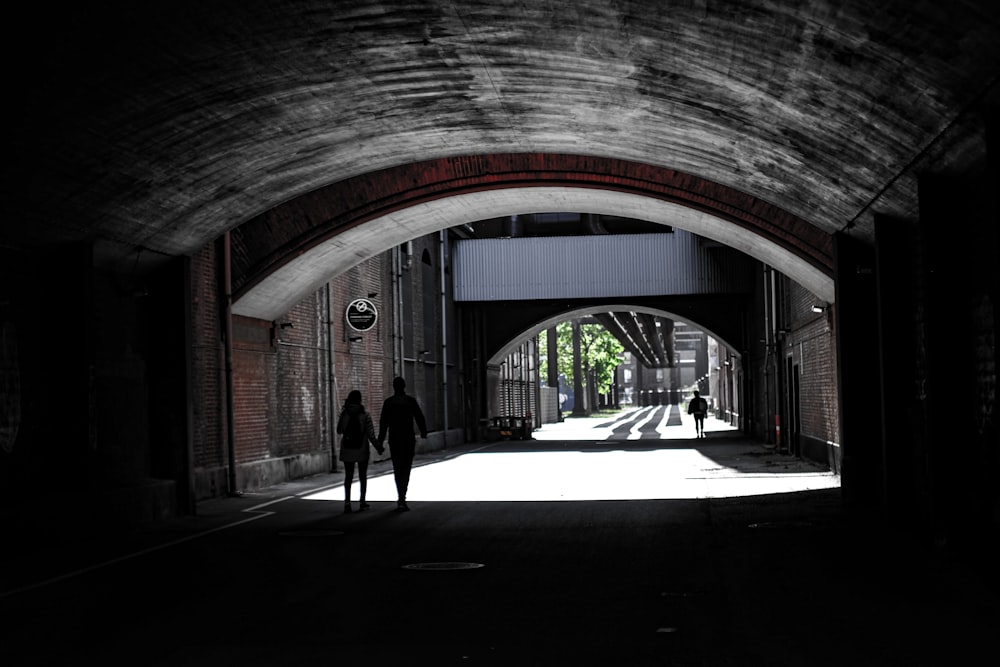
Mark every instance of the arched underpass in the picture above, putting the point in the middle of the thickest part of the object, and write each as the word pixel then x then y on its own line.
pixel 756 114
pixel 536 326
pixel 142 135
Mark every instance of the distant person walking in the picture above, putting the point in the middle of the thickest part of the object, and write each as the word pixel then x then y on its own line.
pixel 400 413
pixel 698 407
pixel 357 429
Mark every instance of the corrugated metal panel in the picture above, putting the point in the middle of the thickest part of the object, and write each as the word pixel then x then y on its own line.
pixel 606 265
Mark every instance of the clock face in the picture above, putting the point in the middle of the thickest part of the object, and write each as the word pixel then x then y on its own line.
pixel 361 315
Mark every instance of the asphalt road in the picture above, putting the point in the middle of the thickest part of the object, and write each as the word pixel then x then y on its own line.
pixel 283 577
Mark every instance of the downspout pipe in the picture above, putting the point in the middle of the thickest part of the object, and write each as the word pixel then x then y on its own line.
pixel 227 325
pixel 397 325
pixel 407 264
pixel 768 351
pixel 443 254
pixel 331 373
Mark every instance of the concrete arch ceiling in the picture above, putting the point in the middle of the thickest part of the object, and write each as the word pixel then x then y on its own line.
pixel 512 345
pixel 291 250
pixel 150 129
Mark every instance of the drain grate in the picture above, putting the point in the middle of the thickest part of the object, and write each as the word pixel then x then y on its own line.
pixel 443 566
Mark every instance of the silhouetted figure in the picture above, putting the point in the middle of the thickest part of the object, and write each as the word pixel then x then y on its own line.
pixel 357 429
pixel 698 407
pixel 400 412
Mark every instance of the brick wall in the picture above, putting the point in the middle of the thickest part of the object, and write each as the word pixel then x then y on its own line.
pixel 300 372
pixel 255 364
pixel 812 346
pixel 807 340
pixel 208 416
pixel 361 363
pixel 281 377
pixel 286 401
pixel 813 349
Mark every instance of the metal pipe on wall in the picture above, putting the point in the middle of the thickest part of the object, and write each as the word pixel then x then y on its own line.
pixel 442 249
pixel 770 371
pixel 766 304
pixel 399 356
pixel 767 356
pixel 331 372
pixel 397 349
pixel 777 339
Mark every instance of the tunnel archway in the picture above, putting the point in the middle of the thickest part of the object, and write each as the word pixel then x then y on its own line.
pixel 507 349
pixel 288 252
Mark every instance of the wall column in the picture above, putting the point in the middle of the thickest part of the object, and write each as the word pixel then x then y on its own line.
pixel 579 406
pixel 954 268
pixel 552 356
pixel 857 364
pixel 903 438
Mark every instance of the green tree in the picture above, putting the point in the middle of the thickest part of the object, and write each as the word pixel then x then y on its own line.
pixel 600 352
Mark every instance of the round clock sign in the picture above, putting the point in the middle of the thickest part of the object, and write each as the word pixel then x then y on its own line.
pixel 361 315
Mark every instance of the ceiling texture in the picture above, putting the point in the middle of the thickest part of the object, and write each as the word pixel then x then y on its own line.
pixel 153 128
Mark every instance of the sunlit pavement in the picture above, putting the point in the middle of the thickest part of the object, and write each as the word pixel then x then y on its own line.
pixel 615 460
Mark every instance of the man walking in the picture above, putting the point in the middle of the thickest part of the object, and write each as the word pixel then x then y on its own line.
pixel 698 407
pixel 400 412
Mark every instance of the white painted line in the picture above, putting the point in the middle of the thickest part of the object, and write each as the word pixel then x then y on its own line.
pixel 661 428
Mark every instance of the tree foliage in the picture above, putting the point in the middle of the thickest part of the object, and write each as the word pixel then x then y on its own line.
pixel 600 351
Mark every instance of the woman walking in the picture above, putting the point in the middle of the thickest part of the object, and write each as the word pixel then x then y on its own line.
pixel 357 429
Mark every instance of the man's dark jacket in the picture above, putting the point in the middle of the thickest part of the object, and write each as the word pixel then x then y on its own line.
pixel 399 412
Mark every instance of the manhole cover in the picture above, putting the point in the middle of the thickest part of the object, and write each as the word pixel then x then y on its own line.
pixel 310 533
pixel 443 566
pixel 682 594
pixel 781 524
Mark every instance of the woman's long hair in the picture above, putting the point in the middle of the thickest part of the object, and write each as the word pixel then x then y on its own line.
pixel 353 398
